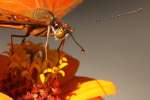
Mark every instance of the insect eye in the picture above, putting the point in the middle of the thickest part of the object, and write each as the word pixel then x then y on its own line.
pixel 56 26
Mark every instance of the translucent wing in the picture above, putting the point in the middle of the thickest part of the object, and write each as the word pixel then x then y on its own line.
pixel 14 13
pixel 26 8
pixel 22 7
pixel 8 17
pixel 61 7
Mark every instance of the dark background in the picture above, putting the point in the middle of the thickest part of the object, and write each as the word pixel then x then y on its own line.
pixel 118 50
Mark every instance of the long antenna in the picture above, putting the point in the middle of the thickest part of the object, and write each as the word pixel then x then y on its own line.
pixel 136 11
pixel 130 12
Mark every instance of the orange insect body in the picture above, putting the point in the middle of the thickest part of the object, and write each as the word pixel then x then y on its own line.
pixel 37 17
pixel 20 12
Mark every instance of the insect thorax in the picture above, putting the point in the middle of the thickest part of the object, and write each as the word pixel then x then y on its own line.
pixel 43 14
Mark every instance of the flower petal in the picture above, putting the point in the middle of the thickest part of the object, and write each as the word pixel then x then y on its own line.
pixel 83 88
pixel 61 66
pixel 4 97
pixel 42 78
pixel 62 73
pixel 48 70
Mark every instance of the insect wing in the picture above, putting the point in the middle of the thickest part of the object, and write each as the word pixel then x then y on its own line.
pixel 10 18
pixel 22 7
pixel 61 7
pixel 26 8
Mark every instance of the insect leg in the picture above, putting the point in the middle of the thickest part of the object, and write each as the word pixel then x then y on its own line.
pixel 76 42
pixel 59 48
pixel 46 43
pixel 28 29
pixel 61 45
pixel 20 36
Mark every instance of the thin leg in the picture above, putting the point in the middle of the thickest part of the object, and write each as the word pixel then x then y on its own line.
pixel 46 43
pixel 59 48
pixel 76 42
pixel 20 36
pixel 61 45
pixel 11 43
pixel 29 29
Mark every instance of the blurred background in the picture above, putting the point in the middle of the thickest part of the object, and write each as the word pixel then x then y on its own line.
pixel 117 49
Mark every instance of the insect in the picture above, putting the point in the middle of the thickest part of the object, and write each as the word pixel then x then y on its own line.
pixel 38 18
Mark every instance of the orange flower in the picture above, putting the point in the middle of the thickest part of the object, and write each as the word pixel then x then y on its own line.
pixel 73 87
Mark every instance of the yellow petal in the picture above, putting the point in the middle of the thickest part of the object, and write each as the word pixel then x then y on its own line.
pixel 61 66
pixel 4 97
pixel 48 70
pixel 62 73
pixel 42 78
pixel 93 89
pixel 64 59
pixel 60 61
